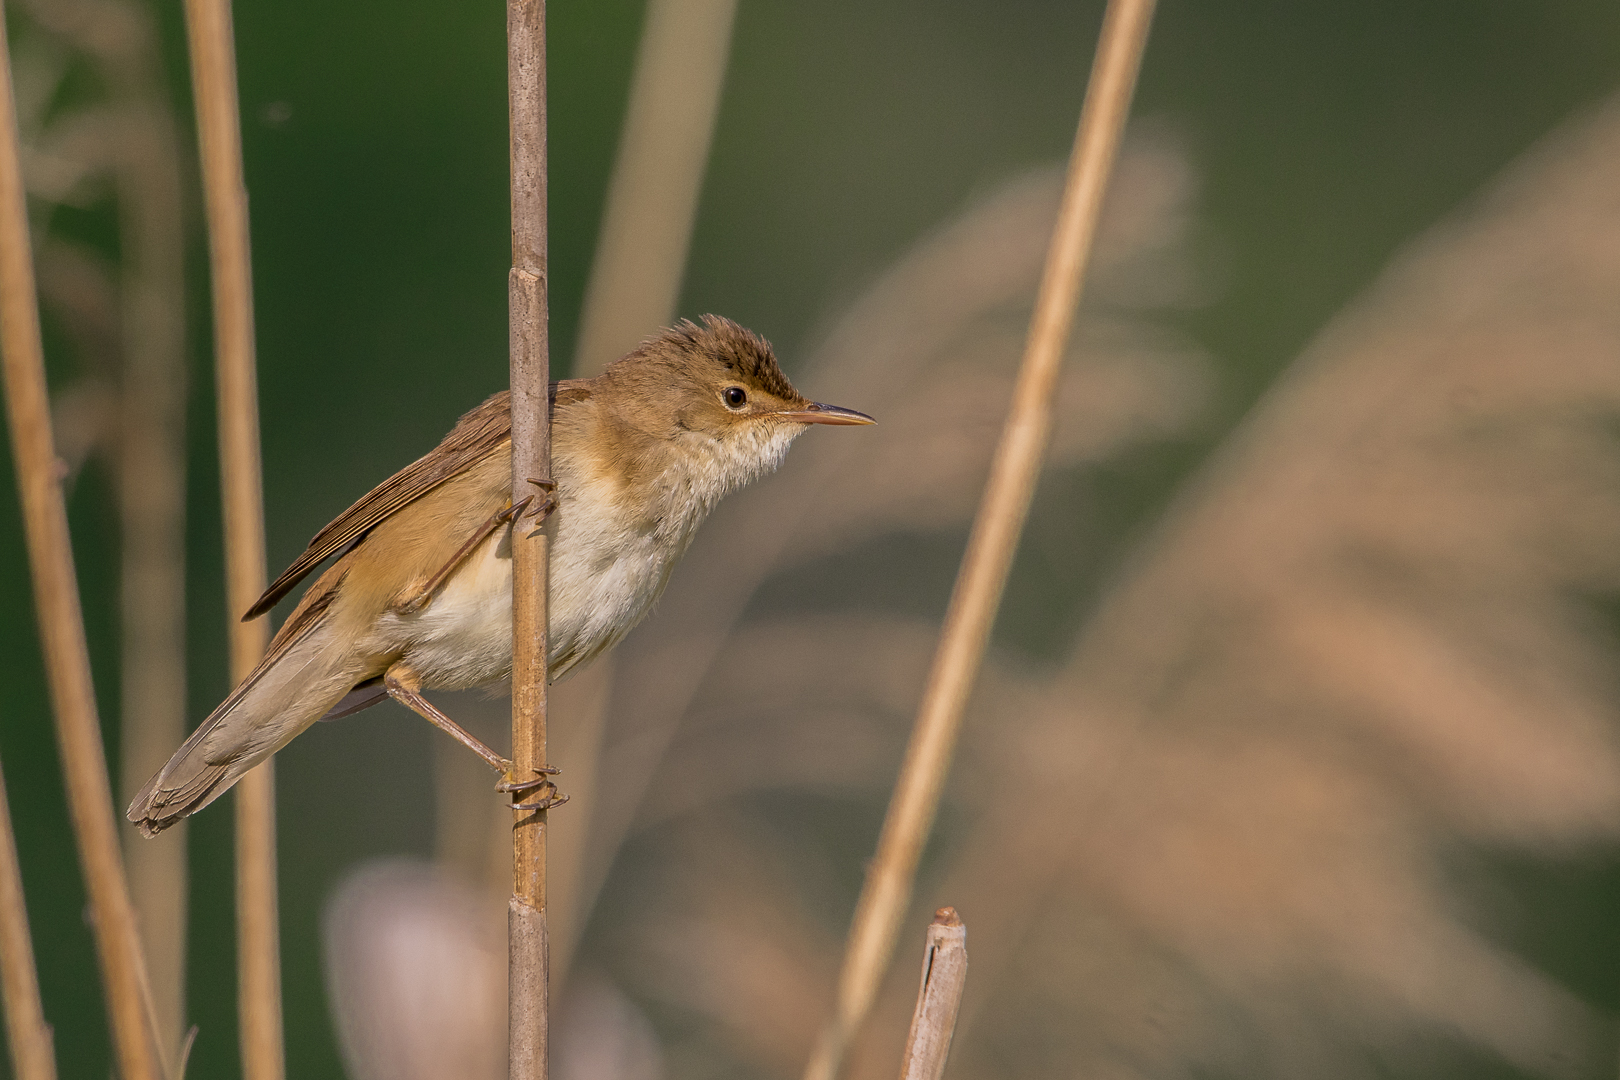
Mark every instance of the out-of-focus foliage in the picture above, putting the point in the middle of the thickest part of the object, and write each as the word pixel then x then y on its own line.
pixel 1220 836
pixel 1295 752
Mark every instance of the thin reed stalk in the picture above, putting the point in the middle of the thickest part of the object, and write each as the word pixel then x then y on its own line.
pixel 213 73
pixel 61 621
pixel 994 539
pixel 528 973
pixel 143 442
pixel 28 1035
pixel 151 482
pixel 944 976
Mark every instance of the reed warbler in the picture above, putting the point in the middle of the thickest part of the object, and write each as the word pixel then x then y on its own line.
pixel 420 595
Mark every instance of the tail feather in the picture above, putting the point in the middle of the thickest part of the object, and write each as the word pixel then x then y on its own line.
pixel 179 796
pixel 304 675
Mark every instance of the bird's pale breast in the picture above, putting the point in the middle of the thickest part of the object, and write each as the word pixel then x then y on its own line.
pixel 609 562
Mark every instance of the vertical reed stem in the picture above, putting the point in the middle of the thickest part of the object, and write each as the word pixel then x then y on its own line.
pixel 994 539
pixel 213 66
pixel 61 622
pixel 152 504
pixel 27 1033
pixel 528 960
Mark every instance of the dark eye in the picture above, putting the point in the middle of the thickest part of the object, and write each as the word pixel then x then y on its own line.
pixel 735 396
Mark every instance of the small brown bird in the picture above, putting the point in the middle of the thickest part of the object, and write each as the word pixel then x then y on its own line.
pixel 420 596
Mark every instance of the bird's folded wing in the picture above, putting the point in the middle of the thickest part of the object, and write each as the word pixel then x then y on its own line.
pixel 475 435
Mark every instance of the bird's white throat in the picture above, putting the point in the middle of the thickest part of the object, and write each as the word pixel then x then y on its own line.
pixel 716 467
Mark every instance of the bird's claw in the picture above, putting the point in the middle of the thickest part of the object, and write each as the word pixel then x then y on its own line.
pixel 517 509
pixel 540 783
pixel 542 509
pixel 548 795
pixel 510 785
pixel 551 798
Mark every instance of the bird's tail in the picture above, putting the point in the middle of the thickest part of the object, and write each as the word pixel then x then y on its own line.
pixel 303 675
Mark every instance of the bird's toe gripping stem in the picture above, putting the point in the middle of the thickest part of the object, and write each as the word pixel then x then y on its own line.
pixel 539 509
pixel 540 786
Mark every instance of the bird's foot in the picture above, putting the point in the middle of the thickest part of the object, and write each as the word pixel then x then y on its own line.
pixel 517 509
pixel 541 509
pixel 548 798
pixel 540 786
pixel 510 784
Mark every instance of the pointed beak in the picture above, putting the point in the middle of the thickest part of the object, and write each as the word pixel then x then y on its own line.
pixel 816 413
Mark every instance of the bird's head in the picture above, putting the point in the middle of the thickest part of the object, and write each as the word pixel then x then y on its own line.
pixel 715 391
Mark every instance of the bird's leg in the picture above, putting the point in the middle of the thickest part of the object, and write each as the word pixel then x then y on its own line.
pixel 419 599
pixel 404 686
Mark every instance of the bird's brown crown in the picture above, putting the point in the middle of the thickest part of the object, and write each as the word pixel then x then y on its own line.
pixel 739 349
pixel 720 345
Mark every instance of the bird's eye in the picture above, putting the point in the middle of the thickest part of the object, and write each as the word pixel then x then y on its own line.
pixel 735 396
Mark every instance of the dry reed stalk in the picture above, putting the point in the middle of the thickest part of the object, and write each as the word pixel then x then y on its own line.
pixel 1370 608
pixel 136 335
pixel 152 506
pixel 151 479
pixel 583 701
pixel 944 975
pixel 994 539
pixel 61 623
pixel 28 1035
pixel 527 961
pixel 213 69
pixel 921 305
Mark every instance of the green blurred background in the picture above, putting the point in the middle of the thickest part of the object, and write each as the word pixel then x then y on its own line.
pixel 375 144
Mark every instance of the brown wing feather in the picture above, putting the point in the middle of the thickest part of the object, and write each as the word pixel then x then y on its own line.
pixel 478 433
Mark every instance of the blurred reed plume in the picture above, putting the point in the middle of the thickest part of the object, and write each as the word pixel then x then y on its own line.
pixel 1221 838
pixel 416 957
pixel 123 317
pixel 947 323
pixel 1240 826
pixel 408 949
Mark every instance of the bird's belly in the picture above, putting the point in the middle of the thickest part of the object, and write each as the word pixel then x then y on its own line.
pixel 599 593
pixel 601 587
pixel 463 638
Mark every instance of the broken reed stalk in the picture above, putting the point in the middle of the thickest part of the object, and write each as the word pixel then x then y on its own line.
pixel 527 956
pixel 219 136
pixel 61 621
pixel 994 539
pixel 944 975
pixel 32 1055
